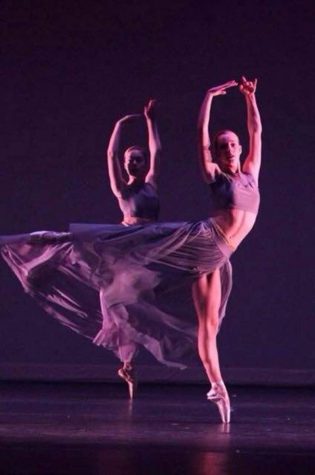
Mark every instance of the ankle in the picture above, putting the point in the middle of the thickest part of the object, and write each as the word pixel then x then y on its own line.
pixel 218 387
pixel 218 384
pixel 128 365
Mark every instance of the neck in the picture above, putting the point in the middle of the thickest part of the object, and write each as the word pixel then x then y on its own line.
pixel 234 171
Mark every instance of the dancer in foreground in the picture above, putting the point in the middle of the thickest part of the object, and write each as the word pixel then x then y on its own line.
pixel 234 203
pixel 139 203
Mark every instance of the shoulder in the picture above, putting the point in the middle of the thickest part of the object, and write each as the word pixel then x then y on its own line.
pixel 249 178
pixel 151 180
pixel 125 192
pixel 150 184
pixel 214 176
pixel 220 178
pixel 213 173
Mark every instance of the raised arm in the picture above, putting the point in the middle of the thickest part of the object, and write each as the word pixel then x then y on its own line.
pixel 117 182
pixel 208 167
pixel 154 142
pixel 253 160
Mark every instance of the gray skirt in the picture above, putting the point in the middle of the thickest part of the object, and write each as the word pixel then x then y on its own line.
pixel 123 287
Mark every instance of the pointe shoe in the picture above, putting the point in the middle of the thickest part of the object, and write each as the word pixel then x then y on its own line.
pixel 218 395
pixel 127 373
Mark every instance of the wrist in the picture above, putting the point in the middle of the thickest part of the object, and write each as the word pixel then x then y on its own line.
pixel 250 97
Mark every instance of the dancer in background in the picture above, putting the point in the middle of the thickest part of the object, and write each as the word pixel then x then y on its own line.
pixel 51 271
pixel 234 208
pixel 139 203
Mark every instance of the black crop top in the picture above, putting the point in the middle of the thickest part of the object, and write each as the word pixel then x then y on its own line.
pixel 140 202
pixel 239 191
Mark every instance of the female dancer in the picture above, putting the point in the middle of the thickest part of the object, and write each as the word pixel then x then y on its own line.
pixel 235 201
pixel 139 203
pixel 46 264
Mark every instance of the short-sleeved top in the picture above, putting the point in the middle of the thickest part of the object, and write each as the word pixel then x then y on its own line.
pixel 239 191
pixel 140 202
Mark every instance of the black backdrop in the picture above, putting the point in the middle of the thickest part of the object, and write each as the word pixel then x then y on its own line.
pixel 70 68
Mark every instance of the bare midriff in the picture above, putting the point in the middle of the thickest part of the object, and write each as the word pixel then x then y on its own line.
pixel 132 220
pixel 235 224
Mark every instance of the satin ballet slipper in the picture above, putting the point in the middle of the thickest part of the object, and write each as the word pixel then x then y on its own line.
pixel 218 395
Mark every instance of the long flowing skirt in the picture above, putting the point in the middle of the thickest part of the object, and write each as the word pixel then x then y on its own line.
pixel 123 287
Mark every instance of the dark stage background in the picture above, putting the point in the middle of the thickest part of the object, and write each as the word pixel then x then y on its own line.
pixel 70 69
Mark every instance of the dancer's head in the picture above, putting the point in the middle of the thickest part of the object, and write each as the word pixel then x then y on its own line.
pixel 135 161
pixel 226 150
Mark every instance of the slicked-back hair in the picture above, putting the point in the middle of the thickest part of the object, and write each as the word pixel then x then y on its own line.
pixel 139 149
pixel 216 136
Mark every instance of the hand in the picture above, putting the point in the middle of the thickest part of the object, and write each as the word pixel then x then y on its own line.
pixel 150 109
pixel 248 87
pixel 128 117
pixel 221 90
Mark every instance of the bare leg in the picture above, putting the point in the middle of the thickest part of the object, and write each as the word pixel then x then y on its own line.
pixel 128 374
pixel 127 348
pixel 207 299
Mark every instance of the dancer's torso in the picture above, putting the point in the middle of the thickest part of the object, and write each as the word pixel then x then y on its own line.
pixel 139 204
pixel 234 205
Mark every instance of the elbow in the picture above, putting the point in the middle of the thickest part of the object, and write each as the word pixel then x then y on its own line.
pixel 202 128
pixel 156 152
pixel 110 154
pixel 256 128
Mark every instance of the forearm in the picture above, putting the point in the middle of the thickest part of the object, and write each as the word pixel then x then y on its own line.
pixel 203 122
pixel 154 142
pixel 114 141
pixel 253 115
pixel 203 131
pixel 253 160
pixel 208 168
pixel 113 165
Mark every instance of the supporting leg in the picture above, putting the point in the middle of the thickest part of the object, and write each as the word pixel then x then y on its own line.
pixel 127 348
pixel 128 374
pixel 207 299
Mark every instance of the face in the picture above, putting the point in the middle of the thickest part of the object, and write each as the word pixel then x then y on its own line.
pixel 135 163
pixel 228 151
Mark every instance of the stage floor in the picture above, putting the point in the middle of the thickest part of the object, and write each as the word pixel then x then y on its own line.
pixel 50 428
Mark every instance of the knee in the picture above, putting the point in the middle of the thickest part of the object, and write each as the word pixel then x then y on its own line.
pixel 209 326
pixel 212 324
